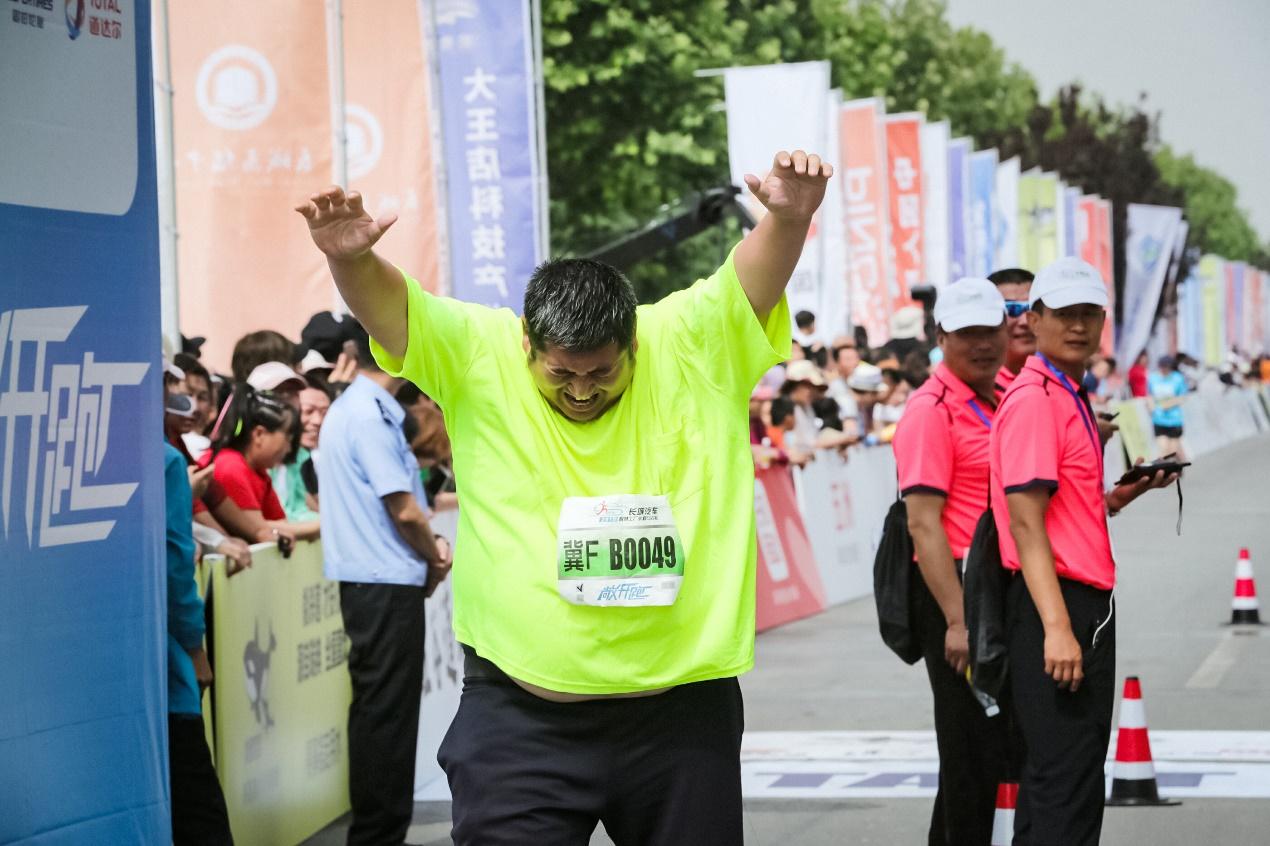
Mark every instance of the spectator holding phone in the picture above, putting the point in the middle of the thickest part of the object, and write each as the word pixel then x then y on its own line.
pixel 1051 511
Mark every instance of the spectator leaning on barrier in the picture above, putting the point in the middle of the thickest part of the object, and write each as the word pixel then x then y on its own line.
pixel 941 456
pixel 198 805
pixel 593 438
pixel 1168 390
pixel 804 384
pixel 256 432
pixel 378 545
pixel 256 348
pixel 868 389
pixel 1014 283
pixel 1051 512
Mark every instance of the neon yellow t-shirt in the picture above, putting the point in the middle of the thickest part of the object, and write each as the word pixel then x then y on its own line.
pixel 680 430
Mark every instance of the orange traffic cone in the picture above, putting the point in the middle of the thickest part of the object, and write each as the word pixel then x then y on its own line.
pixel 1244 609
pixel 1003 819
pixel 1133 774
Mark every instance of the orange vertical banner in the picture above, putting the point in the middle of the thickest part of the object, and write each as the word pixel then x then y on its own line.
pixel 252 132
pixel 862 153
pixel 390 150
pixel 1094 214
pixel 904 185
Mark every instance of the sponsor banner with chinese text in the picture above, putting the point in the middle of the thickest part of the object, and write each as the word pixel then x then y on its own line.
pixel 1212 275
pixel 983 200
pixel 389 138
pixel 862 151
pixel 959 150
pixel 1005 227
pixel 935 179
pixel 787 582
pixel 772 108
pixel 1093 223
pixel 904 187
pixel 281 696
pixel 252 137
pixel 83 645
pixel 1148 250
pixel 833 317
pixel 1039 207
pixel 485 53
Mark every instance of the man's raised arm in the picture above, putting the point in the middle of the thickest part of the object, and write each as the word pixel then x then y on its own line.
pixel 373 288
pixel 791 192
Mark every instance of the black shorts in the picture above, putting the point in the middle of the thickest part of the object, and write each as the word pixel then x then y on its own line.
pixel 1168 431
pixel 660 770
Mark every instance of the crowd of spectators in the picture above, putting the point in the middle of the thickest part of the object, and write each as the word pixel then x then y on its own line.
pixel 840 393
pixel 250 437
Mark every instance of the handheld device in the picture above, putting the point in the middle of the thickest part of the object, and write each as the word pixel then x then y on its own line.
pixel 1142 471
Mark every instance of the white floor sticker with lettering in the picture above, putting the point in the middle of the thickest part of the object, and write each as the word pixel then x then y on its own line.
pixel 859 765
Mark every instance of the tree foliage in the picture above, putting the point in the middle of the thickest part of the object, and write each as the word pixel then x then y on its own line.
pixel 1218 225
pixel 631 127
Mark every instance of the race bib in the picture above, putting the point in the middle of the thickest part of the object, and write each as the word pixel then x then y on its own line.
pixel 618 550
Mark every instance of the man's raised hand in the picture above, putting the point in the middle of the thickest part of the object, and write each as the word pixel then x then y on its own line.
pixel 340 226
pixel 794 187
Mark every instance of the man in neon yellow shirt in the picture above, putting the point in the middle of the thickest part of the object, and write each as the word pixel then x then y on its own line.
pixel 604 567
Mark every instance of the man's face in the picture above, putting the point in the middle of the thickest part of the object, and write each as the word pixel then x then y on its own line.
pixel 201 392
pixel 976 353
pixel 581 385
pixel 1022 342
pixel 802 394
pixel 313 407
pixel 848 361
pixel 1069 335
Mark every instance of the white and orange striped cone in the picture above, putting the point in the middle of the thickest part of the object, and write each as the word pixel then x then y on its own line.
pixel 1244 609
pixel 1133 774
pixel 1003 819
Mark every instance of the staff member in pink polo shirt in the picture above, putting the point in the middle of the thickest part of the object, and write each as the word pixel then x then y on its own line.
pixel 941 452
pixel 1051 511
pixel 1014 283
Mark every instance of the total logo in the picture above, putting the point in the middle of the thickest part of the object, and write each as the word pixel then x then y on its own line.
pixel 365 139
pixel 236 88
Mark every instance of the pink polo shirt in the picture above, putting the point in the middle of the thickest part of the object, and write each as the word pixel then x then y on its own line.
pixel 941 446
pixel 1045 435
pixel 1005 378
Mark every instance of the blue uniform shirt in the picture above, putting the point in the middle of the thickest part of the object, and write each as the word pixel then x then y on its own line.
pixel 363 457
pixel 1160 387
pixel 185 607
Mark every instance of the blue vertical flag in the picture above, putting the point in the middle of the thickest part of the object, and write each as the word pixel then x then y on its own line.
pixel 83 651
pixel 983 189
pixel 959 150
pixel 1071 202
pixel 489 121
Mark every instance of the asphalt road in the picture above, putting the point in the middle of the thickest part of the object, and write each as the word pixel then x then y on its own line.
pixel 831 673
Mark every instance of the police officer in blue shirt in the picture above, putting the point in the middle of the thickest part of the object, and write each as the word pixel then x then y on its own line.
pixel 378 544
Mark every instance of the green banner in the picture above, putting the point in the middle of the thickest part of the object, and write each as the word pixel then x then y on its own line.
pixel 281 696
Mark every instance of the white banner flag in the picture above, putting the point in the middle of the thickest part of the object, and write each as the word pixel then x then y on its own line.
pixel 772 108
pixel 1006 219
pixel 935 138
pixel 833 316
pixel 1148 250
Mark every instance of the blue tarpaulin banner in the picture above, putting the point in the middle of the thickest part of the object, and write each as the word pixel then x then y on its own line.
pixel 485 57
pixel 83 701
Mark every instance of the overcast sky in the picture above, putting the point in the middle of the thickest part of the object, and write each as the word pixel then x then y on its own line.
pixel 1204 65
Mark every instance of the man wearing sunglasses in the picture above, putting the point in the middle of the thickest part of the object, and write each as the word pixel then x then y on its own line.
pixel 1014 284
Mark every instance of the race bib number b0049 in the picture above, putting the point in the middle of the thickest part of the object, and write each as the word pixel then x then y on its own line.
pixel 618 550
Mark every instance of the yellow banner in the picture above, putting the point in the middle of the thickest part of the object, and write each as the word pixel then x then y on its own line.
pixel 1134 422
pixel 281 696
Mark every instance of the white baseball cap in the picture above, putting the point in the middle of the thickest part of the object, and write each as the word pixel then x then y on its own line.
pixel 274 374
pixel 969 301
pixel 1068 282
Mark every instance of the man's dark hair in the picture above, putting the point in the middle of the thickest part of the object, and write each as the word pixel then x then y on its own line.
pixel 1111 363
pixel 357 333
pixel 782 407
pixel 256 348
pixel 1011 274
pixel 192 366
pixel 579 305
pixel 804 319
